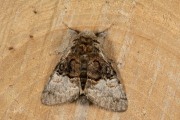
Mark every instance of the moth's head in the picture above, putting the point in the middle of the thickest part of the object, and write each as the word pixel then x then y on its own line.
pixel 88 37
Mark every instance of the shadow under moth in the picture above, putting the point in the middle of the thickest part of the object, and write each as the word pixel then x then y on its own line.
pixel 84 70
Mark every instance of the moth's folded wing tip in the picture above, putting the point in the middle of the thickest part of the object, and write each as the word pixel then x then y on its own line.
pixel 124 106
pixel 118 106
pixel 45 98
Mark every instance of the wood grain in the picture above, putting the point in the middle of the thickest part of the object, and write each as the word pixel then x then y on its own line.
pixel 144 41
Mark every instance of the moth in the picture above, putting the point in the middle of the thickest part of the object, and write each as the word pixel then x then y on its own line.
pixel 84 70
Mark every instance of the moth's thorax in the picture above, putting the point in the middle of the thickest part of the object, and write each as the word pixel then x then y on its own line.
pixel 84 45
pixel 85 62
pixel 84 49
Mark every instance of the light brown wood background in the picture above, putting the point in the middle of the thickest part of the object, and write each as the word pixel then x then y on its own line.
pixel 144 42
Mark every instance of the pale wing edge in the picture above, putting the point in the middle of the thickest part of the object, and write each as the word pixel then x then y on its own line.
pixel 60 89
pixel 108 94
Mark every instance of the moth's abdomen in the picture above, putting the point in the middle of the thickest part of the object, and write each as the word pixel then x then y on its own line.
pixel 83 71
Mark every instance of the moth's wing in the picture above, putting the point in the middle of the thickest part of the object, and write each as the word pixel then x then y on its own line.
pixel 103 87
pixel 108 94
pixel 60 89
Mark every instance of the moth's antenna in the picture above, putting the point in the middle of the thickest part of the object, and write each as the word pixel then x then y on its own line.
pixel 98 33
pixel 77 31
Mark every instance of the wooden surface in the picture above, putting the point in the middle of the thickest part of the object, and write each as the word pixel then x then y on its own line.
pixel 144 42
